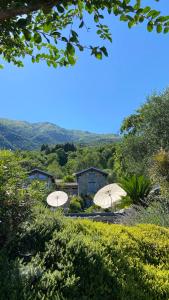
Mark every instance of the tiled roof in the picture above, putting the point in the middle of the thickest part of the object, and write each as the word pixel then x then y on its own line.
pixel 41 172
pixel 91 169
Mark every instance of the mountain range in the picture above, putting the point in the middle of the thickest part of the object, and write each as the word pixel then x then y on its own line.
pixel 28 136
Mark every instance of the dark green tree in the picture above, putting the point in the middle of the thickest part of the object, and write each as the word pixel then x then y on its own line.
pixel 44 147
pixel 68 147
pixel 62 157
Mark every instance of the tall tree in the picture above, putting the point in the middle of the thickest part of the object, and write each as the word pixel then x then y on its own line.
pixel 144 134
pixel 151 122
pixel 48 29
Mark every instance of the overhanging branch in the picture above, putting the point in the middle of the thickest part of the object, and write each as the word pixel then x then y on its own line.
pixel 9 13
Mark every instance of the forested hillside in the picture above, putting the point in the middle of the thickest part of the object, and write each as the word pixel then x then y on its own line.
pixel 24 135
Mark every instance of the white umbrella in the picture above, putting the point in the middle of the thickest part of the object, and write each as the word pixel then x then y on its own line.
pixel 57 199
pixel 108 195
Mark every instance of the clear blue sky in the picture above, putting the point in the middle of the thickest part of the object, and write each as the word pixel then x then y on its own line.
pixel 93 95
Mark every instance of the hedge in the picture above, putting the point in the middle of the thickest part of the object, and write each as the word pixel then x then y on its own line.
pixel 68 259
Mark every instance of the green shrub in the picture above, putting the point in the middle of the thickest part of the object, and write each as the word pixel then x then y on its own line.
pixel 93 208
pixel 76 204
pixel 69 178
pixel 157 213
pixel 81 259
pixel 125 202
pixel 159 171
pixel 137 188
pixel 14 199
pixel 11 286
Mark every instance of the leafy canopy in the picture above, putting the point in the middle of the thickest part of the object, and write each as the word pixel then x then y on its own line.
pixel 150 122
pixel 144 134
pixel 49 30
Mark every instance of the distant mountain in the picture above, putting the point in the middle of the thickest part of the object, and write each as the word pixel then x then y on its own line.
pixel 29 136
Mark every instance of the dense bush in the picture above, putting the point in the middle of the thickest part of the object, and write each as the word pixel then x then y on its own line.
pixel 137 188
pixel 124 203
pixel 93 208
pixel 72 260
pixel 76 204
pixel 17 195
pixel 69 178
pixel 156 213
pixel 13 204
pixel 159 170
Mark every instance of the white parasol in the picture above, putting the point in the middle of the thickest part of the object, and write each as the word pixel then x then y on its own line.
pixel 108 195
pixel 57 198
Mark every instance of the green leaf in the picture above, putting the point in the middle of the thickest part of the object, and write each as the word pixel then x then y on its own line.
pixel 81 48
pixel 33 59
pixel 81 24
pixel 64 39
pixel 141 19
pixel 37 38
pixel 60 9
pixel 153 13
pixel 47 27
pixel 131 24
pixel 27 34
pixel 159 28
pixel 123 18
pixel 96 18
pixel 70 49
pixel 150 26
pixel 104 50
pixel 22 23
pixel 98 55
pixel 146 9
pixel 71 60
pixel 166 29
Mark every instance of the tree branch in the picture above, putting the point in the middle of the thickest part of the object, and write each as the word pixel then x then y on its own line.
pixel 10 13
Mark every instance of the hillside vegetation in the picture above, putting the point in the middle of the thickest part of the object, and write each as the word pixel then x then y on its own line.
pixel 65 159
pixel 28 136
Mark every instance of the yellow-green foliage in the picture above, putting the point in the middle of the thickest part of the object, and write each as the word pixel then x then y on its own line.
pixel 159 170
pixel 142 250
pixel 85 260
pixel 136 259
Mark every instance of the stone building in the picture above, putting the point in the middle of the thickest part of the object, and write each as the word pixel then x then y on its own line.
pixel 37 174
pixel 90 181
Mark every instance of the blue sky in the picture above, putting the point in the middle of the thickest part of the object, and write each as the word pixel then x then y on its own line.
pixel 93 95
